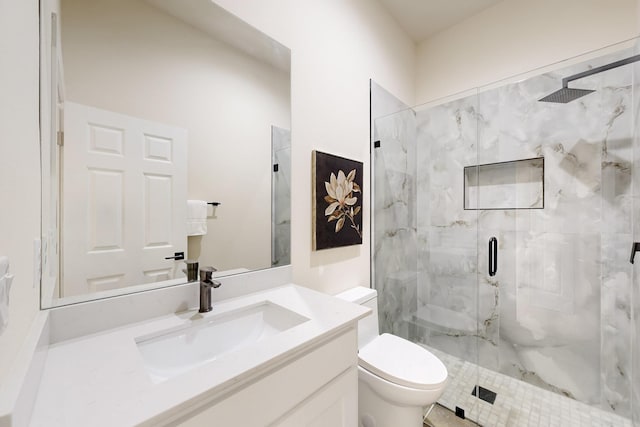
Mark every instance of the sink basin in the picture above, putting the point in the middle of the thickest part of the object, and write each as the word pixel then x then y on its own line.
pixel 173 351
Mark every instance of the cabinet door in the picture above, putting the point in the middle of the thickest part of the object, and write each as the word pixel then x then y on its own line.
pixel 318 389
pixel 334 405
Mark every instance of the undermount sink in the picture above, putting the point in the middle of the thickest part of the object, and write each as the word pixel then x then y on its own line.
pixel 176 350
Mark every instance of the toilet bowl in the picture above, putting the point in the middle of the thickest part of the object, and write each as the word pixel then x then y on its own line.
pixel 397 379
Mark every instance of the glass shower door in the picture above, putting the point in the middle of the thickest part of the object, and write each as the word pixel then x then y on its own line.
pixel 446 316
pixel 280 196
pixel 502 227
pixel 424 252
pixel 555 191
pixel 394 250
pixel 635 291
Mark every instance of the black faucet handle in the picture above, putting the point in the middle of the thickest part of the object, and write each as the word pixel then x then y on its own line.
pixel 206 273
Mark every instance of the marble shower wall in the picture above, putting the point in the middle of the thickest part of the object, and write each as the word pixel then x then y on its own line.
pixel 447 234
pixel 281 194
pixel 635 341
pixel 394 224
pixel 558 312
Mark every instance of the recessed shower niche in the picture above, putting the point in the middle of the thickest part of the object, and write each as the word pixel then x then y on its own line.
pixel 517 184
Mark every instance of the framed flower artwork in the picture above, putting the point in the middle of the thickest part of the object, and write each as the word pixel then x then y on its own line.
pixel 336 202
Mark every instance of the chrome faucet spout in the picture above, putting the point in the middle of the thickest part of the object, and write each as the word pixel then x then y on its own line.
pixel 206 283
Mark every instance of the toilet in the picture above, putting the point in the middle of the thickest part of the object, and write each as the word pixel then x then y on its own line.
pixel 397 379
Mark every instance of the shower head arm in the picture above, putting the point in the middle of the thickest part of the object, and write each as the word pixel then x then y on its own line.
pixel 600 69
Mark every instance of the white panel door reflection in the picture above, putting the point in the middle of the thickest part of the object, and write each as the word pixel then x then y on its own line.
pixel 124 200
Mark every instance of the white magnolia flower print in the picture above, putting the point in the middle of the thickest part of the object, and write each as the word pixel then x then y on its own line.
pixel 341 199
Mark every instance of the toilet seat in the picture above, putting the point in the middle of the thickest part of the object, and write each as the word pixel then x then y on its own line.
pixel 402 362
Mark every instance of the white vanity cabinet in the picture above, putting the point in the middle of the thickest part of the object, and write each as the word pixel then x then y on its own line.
pixel 335 405
pixel 303 375
pixel 318 387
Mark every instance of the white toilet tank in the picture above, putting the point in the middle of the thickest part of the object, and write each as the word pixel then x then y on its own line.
pixel 368 326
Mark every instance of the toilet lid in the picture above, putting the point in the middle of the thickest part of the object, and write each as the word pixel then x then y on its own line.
pixel 402 362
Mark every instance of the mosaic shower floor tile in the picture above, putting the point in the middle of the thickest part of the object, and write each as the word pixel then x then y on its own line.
pixel 517 404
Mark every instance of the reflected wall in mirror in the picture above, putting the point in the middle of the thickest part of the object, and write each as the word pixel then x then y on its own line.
pixel 167 101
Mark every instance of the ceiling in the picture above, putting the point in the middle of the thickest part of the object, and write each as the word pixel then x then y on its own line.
pixel 423 18
pixel 207 16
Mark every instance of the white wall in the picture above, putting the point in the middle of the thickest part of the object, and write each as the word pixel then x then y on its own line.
pixel 337 45
pixel 517 36
pixel 19 186
pixel 159 68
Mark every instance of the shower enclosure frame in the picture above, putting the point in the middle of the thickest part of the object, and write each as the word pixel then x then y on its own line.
pixel 545 83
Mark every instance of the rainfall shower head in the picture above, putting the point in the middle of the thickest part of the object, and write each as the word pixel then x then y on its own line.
pixel 567 94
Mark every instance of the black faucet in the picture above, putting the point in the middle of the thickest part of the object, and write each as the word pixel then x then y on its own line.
pixel 206 283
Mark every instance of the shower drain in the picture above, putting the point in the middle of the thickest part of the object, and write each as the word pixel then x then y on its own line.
pixel 484 394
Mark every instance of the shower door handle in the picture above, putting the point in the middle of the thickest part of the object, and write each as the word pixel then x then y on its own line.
pixel 493 256
pixel 635 247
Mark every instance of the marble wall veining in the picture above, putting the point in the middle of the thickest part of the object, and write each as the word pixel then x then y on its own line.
pixel 447 234
pixel 558 313
pixel 568 327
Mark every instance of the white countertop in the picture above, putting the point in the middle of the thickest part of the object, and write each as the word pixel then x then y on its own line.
pixel 100 380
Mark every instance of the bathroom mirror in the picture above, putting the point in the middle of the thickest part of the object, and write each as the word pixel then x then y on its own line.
pixel 156 103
